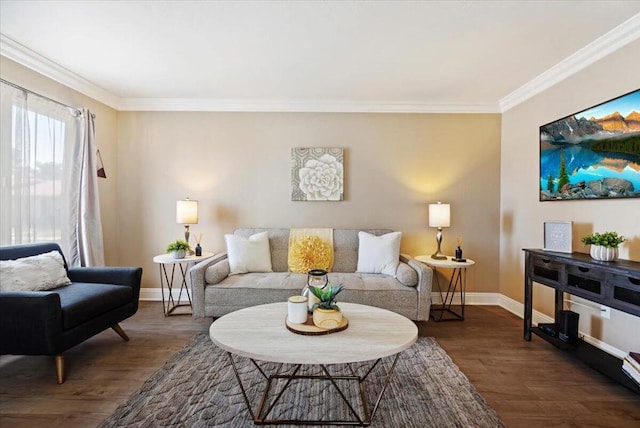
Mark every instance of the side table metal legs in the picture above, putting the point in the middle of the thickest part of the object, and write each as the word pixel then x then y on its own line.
pixel 457 281
pixel 170 304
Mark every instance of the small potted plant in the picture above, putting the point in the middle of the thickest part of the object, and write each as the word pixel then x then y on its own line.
pixel 604 246
pixel 326 314
pixel 178 249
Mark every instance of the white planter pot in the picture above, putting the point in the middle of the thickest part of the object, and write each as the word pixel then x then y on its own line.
pixel 179 254
pixel 605 254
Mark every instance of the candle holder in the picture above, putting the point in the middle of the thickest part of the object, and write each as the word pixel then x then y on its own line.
pixel 315 278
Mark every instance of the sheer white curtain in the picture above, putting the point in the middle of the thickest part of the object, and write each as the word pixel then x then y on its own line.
pixel 43 160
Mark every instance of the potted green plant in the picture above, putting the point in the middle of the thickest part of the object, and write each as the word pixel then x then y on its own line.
pixel 178 249
pixel 326 313
pixel 604 246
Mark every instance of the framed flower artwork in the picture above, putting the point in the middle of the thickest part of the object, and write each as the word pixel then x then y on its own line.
pixel 317 174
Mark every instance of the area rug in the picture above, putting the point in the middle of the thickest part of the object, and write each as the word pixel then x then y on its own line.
pixel 197 388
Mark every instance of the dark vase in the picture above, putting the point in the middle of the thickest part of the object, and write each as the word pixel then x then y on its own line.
pixel 198 250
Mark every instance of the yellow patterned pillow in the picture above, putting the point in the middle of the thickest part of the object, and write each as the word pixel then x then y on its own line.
pixel 310 252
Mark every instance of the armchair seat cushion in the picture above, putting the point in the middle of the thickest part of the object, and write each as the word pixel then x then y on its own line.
pixel 82 302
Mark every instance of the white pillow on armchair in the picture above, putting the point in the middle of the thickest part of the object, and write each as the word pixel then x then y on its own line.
pixel 41 272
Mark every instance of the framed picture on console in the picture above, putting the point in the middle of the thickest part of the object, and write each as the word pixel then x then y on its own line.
pixel 558 236
pixel 593 154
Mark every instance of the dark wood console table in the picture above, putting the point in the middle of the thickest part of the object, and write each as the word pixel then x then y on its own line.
pixel 613 284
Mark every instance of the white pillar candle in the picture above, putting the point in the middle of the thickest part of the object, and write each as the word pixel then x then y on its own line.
pixel 297 307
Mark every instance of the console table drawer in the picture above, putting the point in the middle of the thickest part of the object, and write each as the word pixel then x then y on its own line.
pixel 586 279
pixel 629 281
pixel 626 293
pixel 546 270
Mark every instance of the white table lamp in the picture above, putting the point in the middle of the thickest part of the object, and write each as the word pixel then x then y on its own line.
pixel 439 216
pixel 187 213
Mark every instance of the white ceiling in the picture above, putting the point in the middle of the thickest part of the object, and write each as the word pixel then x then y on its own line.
pixel 313 56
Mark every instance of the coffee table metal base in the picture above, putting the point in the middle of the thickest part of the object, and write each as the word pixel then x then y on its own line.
pixel 261 415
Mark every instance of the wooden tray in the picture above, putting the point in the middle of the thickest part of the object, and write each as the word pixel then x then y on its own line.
pixel 310 329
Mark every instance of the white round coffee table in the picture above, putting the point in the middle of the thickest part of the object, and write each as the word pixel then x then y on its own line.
pixel 259 333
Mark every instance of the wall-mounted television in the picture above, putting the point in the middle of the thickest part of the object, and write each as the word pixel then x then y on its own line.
pixel 593 154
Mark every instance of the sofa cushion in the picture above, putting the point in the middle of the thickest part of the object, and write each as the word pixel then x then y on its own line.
pixel 261 286
pixel 83 301
pixel 379 254
pixel 248 254
pixel 345 246
pixel 252 289
pixel 41 272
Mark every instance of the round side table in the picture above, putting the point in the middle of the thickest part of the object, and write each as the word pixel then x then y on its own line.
pixel 458 280
pixel 170 304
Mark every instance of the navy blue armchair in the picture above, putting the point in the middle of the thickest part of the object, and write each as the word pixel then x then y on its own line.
pixel 50 322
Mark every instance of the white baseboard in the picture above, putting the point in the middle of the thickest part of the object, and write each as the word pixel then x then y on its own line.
pixel 493 299
pixel 517 309
pixel 470 298
pixel 155 294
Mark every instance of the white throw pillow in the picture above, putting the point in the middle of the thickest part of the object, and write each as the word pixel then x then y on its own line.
pixel 35 273
pixel 250 254
pixel 379 254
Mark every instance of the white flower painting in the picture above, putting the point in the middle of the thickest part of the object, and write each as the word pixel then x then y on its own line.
pixel 317 174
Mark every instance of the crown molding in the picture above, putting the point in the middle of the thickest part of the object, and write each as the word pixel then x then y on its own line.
pixel 604 45
pixel 30 59
pixel 620 36
pixel 13 50
pixel 312 106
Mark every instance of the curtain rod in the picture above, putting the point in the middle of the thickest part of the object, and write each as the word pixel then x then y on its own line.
pixel 75 109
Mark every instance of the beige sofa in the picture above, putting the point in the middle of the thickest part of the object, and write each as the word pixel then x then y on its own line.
pixel 215 293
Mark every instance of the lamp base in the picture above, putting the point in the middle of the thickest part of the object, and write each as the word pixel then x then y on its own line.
pixel 186 239
pixel 438 254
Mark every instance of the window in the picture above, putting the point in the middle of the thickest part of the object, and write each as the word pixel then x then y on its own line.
pixel 37 146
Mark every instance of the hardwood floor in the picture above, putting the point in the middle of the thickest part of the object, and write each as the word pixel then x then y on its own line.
pixel 529 384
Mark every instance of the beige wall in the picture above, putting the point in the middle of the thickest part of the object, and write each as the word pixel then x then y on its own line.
pixel 106 138
pixel 521 213
pixel 238 166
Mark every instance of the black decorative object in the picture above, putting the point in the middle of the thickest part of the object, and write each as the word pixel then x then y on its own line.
pixel 198 250
pixel 592 154
pixel 101 172
pixel 458 257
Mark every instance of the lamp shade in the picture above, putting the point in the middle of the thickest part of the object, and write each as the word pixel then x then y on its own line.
pixel 439 215
pixel 187 212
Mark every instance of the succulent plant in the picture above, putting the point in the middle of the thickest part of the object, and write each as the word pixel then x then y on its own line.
pixel 178 245
pixel 327 296
pixel 606 239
